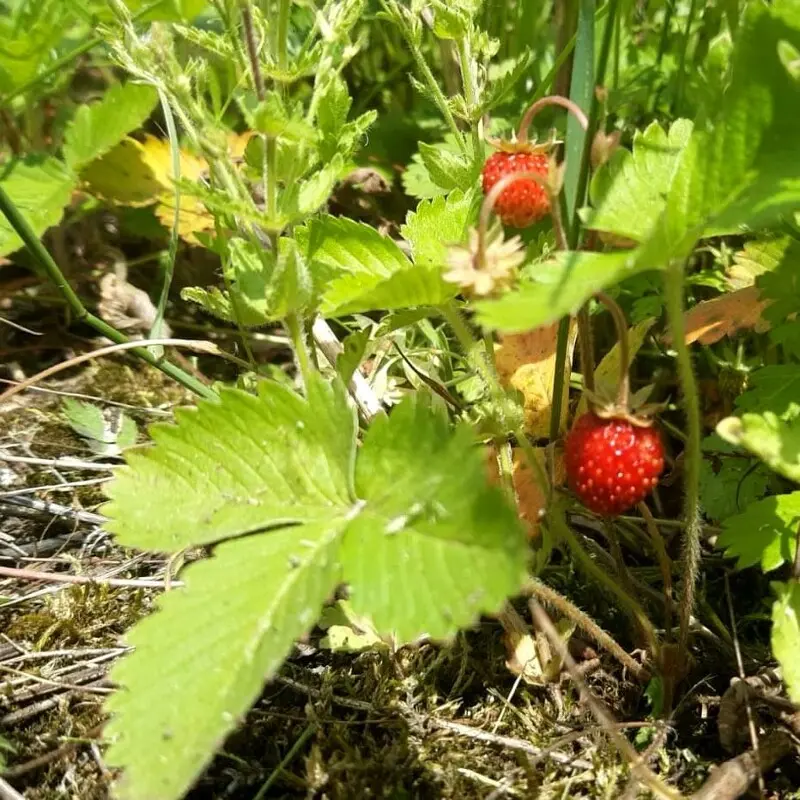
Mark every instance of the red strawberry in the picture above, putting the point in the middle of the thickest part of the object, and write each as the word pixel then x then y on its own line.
pixel 524 201
pixel 612 464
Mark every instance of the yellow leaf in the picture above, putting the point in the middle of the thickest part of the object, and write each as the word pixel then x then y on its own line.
pixel 530 499
pixel 122 176
pixel 527 362
pixel 607 372
pixel 712 320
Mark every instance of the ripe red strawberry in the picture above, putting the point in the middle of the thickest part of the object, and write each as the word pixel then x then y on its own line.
pixel 612 464
pixel 524 201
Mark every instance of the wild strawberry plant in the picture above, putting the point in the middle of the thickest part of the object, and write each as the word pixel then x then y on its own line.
pixel 287 494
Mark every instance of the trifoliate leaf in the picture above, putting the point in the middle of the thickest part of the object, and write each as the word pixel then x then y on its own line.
pixel 775 388
pixel 560 286
pixel 628 193
pixel 765 533
pixel 100 126
pixel 245 464
pixel 436 224
pixel 775 442
pixel 201 660
pixel 40 188
pixel 411 555
pixel 424 547
pixel 786 635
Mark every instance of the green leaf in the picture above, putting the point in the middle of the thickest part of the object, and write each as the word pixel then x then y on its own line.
pixel 354 346
pixel 40 188
pixel 243 465
pixel 742 166
pixel 436 224
pixel 411 555
pixel 334 106
pixel 774 388
pixel 560 286
pixel 107 434
pixel 775 442
pixel 271 116
pixel 447 169
pixel 731 485
pixel 360 270
pixel 786 635
pixel 408 288
pixel 765 532
pixel 424 547
pixel 628 193
pixel 781 285
pixel 202 659
pixel 505 80
pixel 99 127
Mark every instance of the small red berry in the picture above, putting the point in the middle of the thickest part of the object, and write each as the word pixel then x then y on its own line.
pixel 612 464
pixel 524 201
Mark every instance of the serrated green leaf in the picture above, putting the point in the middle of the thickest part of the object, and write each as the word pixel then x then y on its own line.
pixel 628 194
pixel 731 486
pixel 561 286
pixel 246 464
pixel 408 288
pixel 40 188
pixel 786 635
pixel 775 442
pixel 187 685
pixel 360 270
pixel 781 286
pixel 353 348
pixel 333 108
pixel 436 224
pixel 765 533
pixel 99 127
pixel 105 434
pixel 271 117
pixel 761 256
pixel 775 388
pixel 447 169
pixel 410 556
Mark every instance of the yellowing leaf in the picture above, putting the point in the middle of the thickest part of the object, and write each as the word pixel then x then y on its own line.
pixel 712 320
pixel 531 501
pixel 527 361
pixel 140 173
pixel 607 371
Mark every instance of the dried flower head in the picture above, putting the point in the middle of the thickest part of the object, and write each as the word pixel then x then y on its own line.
pixel 501 260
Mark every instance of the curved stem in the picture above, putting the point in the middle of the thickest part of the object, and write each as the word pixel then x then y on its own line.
pixel 628 604
pixel 621 324
pixel 587 625
pixel 544 102
pixel 664 563
pixel 673 290
pixel 491 199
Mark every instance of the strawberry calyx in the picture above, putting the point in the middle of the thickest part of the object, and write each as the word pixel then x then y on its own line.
pixel 635 409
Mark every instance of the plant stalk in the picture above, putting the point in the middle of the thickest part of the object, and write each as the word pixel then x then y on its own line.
pixel 673 291
pixel 470 91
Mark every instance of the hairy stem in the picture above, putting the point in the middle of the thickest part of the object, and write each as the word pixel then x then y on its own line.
pixel 628 603
pixel 664 562
pixel 564 606
pixel 470 90
pixel 545 102
pixel 559 378
pixel 673 291
pixel 586 345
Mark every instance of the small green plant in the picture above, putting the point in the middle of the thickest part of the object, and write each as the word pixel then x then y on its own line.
pixel 294 490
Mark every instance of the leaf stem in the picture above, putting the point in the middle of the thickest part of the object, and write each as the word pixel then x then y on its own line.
pixel 51 269
pixel 559 377
pixel 673 292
